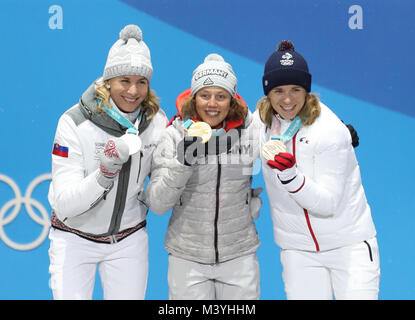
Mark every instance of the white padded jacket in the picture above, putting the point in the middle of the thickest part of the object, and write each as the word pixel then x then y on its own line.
pixel 325 207
pixel 79 203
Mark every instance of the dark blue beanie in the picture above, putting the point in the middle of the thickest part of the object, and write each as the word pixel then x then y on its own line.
pixel 284 67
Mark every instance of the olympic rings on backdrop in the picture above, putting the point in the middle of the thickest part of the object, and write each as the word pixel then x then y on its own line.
pixel 29 203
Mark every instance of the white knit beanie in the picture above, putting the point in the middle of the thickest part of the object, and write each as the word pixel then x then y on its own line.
pixel 214 71
pixel 129 55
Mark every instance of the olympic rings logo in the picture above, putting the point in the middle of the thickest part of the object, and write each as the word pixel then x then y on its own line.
pixel 29 203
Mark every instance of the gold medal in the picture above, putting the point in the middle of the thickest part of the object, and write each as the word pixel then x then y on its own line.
pixel 272 148
pixel 200 129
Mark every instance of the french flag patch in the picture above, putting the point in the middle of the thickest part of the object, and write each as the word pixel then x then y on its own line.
pixel 60 150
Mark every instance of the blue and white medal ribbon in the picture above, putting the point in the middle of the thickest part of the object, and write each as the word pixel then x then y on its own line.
pixel 131 136
pixel 276 144
pixel 290 132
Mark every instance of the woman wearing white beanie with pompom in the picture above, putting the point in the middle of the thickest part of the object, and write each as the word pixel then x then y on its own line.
pixel 100 160
pixel 202 168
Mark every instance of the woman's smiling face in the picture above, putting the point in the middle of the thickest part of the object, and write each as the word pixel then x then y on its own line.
pixel 128 91
pixel 213 105
pixel 287 100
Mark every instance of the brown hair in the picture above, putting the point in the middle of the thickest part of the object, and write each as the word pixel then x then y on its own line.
pixel 237 110
pixel 308 113
pixel 151 102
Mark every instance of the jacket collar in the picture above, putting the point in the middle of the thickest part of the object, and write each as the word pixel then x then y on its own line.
pixel 89 107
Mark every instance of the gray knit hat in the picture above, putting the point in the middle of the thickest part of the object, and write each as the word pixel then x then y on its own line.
pixel 214 71
pixel 129 55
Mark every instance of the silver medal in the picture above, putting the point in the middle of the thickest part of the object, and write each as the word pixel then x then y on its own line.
pixel 133 141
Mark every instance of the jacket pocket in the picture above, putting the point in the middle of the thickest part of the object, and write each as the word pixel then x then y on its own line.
pixel 370 250
pixel 141 197
pixel 103 196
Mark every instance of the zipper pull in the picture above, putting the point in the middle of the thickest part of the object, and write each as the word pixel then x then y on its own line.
pixel 113 239
pixel 103 196
pixel 139 165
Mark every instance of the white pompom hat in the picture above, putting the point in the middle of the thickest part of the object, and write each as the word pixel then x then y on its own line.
pixel 214 72
pixel 129 55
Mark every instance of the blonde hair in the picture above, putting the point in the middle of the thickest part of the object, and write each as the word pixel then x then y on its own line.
pixel 237 110
pixel 308 113
pixel 150 105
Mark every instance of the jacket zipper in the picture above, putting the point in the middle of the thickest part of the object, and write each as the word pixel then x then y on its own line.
pixel 370 250
pixel 307 217
pixel 120 199
pixel 217 212
pixel 93 204
pixel 139 166
pixel 102 196
pixel 117 210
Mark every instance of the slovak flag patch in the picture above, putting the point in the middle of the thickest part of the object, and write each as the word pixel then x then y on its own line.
pixel 59 150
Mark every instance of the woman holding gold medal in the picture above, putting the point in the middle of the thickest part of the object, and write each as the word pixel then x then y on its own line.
pixel 322 221
pixel 99 167
pixel 202 168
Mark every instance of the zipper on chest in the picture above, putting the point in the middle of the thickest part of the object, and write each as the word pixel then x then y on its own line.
pixel 139 165
pixel 306 215
pixel 120 198
pixel 217 213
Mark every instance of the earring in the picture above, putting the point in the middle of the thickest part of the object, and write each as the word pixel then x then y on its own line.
pixel 107 86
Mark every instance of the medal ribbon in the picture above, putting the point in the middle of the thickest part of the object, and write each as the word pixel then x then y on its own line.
pixel 216 132
pixel 187 124
pixel 117 116
pixel 289 133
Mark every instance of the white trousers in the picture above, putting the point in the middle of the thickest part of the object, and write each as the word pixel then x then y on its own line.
pixel 236 279
pixel 350 272
pixel 123 266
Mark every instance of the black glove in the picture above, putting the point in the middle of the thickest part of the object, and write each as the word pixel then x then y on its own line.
pixel 353 133
pixel 222 144
pixel 190 149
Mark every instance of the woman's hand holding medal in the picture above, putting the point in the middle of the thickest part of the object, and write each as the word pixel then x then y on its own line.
pixel 111 160
pixel 198 129
pixel 132 140
pixel 275 152
pixel 272 148
pixel 192 146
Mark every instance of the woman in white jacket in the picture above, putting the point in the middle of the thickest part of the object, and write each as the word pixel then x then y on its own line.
pixel 322 221
pixel 211 237
pixel 96 194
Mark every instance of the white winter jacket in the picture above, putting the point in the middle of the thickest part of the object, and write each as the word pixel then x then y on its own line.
pixel 78 202
pixel 325 207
